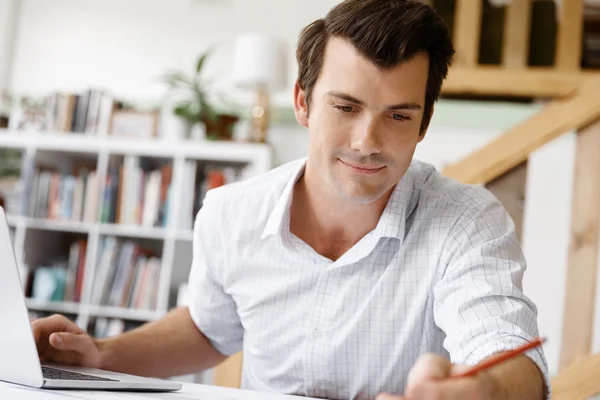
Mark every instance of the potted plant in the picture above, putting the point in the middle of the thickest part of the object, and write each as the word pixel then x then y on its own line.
pixel 194 106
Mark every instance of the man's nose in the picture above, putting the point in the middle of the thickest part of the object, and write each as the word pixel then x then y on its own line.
pixel 365 138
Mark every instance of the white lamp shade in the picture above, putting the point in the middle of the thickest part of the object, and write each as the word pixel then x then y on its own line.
pixel 258 61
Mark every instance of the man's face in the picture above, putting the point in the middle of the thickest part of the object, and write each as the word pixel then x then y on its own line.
pixel 364 123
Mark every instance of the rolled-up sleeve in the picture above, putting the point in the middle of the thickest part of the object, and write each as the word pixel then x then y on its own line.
pixel 212 309
pixel 479 302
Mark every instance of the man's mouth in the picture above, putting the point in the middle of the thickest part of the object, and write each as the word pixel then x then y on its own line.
pixel 362 168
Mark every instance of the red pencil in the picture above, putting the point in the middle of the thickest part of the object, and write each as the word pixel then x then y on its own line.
pixel 495 360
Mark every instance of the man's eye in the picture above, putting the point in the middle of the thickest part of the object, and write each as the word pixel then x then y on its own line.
pixel 399 117
pixel 346 109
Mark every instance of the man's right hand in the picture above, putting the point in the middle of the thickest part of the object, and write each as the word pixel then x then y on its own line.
pixel 59 340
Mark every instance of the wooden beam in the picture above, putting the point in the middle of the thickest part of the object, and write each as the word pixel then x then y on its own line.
pixel 578 320
pixel 529 82
pixel 578 381
pixel 512 148
pixel 517 26
pixel 509 188
pixel 467 32
pixel 569 35
pixel 229 372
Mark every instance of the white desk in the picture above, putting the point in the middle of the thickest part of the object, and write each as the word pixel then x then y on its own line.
pixel 189 391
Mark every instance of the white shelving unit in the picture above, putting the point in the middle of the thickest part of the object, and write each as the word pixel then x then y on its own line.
pixel 174 243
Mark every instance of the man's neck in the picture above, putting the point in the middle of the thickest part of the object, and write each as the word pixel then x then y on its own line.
pixel 330 225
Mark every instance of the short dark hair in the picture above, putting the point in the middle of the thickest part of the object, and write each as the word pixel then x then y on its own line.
pixel 386 32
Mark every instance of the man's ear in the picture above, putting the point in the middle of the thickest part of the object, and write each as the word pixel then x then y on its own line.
pixel 300 105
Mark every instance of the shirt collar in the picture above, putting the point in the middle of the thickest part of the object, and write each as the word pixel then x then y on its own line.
pixel 279 220
pixel 392 222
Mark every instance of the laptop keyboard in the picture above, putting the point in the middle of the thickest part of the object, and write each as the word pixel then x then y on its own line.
pixel 52 373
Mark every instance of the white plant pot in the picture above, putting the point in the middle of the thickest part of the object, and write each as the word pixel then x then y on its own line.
pixel 173 127
pixel 198 132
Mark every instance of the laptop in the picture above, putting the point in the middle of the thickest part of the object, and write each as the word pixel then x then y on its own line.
pixel 19 359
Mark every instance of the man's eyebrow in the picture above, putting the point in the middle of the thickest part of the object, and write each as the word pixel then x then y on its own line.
pixel 405 106
pixel 347 97
pixel 352 99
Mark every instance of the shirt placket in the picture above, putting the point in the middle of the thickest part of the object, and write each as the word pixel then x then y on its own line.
pixel 324 374
pixel 314 355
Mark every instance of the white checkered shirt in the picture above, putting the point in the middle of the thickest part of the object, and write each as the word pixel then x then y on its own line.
pixel 442 272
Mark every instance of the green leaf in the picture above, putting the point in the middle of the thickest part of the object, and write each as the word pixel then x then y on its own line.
pixel 181 112
pixel 201 62
pixel 186 111
pixel 184 104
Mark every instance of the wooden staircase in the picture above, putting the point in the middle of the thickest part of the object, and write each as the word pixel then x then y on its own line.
pixel 574 112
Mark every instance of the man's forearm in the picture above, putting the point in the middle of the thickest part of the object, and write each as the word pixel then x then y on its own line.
pixel 518 379
pixel 171 346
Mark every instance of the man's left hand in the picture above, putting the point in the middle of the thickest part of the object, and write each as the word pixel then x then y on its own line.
pixel 431 379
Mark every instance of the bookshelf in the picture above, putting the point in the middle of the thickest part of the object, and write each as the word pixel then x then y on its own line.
pixel 74 223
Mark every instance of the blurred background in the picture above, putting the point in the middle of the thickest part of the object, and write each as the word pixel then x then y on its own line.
pixel 117 116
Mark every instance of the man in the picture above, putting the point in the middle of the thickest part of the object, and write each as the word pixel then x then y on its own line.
pixel 358 271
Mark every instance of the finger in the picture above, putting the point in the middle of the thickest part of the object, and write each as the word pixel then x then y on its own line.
pixel 50 354
pixel 73 349
pixel 42 328
pixel 55 323
pixel 385 396
pixel 428 367
pixel 63 358
pixel 66 341
pixel 447 389
pixel 457 369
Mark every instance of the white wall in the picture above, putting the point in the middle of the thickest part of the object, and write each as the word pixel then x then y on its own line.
pixel 8 24
pixel 546 234
pixel 122 45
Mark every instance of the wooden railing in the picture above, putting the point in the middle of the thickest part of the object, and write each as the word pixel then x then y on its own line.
pixel 512 148
pixel 513 76
pixel 573 92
